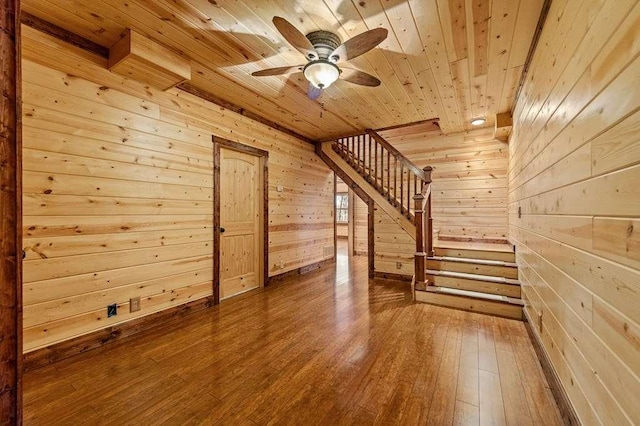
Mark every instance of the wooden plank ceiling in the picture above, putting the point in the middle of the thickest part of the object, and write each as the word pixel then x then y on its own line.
pixel 455 59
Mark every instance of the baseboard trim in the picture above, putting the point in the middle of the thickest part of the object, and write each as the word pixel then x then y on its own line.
pixel 392 276
pixel 567 411
pixel 75 346
pixel 300 271
pixel 78 345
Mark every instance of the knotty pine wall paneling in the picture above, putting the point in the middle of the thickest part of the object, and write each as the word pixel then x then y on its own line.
pixel 574 176
pixel 118 193
pixel 469 179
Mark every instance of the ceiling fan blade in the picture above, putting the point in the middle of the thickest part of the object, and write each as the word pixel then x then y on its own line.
pixel 295 38
pixel 356 46
pixel 313 92
pixel 277 71
pixel 359 77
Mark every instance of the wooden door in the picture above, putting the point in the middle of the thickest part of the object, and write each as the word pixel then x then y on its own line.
pixel 241 257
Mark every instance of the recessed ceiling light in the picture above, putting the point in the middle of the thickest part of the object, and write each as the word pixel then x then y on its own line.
pixel 478 121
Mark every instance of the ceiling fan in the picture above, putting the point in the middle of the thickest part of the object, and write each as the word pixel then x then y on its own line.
pixel 323 52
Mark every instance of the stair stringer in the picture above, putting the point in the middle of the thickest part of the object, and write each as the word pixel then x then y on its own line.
pixel 358 183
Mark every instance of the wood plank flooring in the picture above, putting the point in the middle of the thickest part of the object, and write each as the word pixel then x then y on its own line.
pixel 330 347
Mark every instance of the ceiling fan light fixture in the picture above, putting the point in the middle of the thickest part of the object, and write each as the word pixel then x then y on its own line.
pixel 321 74
pixel 478 121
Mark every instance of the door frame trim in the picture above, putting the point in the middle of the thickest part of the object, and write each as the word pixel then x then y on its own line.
pixel 219 143
pixel 11 219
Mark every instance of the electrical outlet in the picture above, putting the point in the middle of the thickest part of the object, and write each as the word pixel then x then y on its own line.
pixel 112 310
pixel 398 265
pixel 134 304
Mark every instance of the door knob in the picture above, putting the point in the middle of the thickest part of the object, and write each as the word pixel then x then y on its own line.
pixel 221 230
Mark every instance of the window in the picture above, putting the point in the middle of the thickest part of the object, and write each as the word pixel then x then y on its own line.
pixel 342 207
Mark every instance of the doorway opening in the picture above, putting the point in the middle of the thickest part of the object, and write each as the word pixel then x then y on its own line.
pixel 354 223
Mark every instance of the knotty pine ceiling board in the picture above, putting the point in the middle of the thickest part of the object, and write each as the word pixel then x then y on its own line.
pixel 452 59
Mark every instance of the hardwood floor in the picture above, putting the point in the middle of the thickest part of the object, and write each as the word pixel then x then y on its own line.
pixel 330 347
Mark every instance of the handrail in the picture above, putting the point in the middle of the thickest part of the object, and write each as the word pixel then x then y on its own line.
pixel 394 151
pixel 384 167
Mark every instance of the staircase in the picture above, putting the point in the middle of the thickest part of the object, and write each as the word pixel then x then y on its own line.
pixel 375 170
pixel 471 276
pixel 482 279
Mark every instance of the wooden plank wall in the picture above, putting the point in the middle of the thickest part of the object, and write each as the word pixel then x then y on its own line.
pixel 393 246
pixel 118 193
pixel 575 177
pixel 469 179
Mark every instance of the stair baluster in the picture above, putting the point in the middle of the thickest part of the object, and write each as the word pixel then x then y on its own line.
pixel 409 192
pixel 389 193
pixel 375 164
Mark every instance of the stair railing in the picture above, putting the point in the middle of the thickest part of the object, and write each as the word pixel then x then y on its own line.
pixel 424 229
pixel 384 167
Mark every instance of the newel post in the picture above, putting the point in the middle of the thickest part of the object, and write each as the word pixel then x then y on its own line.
pixel 420 256
pixel 427 174
pixel 10 216
pixel 427 216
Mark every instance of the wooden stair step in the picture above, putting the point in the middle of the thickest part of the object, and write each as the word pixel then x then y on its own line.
pixel 478 277
pixel 475 245
pixel 479 283
pixel 498 305
pixel 473 266
pixel 487 252
pixel 474 261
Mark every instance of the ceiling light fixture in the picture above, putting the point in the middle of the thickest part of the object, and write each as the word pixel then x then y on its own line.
pixel 321 73
pixel 478 121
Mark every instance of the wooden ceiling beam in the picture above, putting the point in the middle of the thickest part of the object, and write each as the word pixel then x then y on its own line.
pixel 62 34
pixel 83 43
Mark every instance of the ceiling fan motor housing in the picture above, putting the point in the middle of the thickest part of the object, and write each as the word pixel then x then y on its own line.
pixel 324 43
